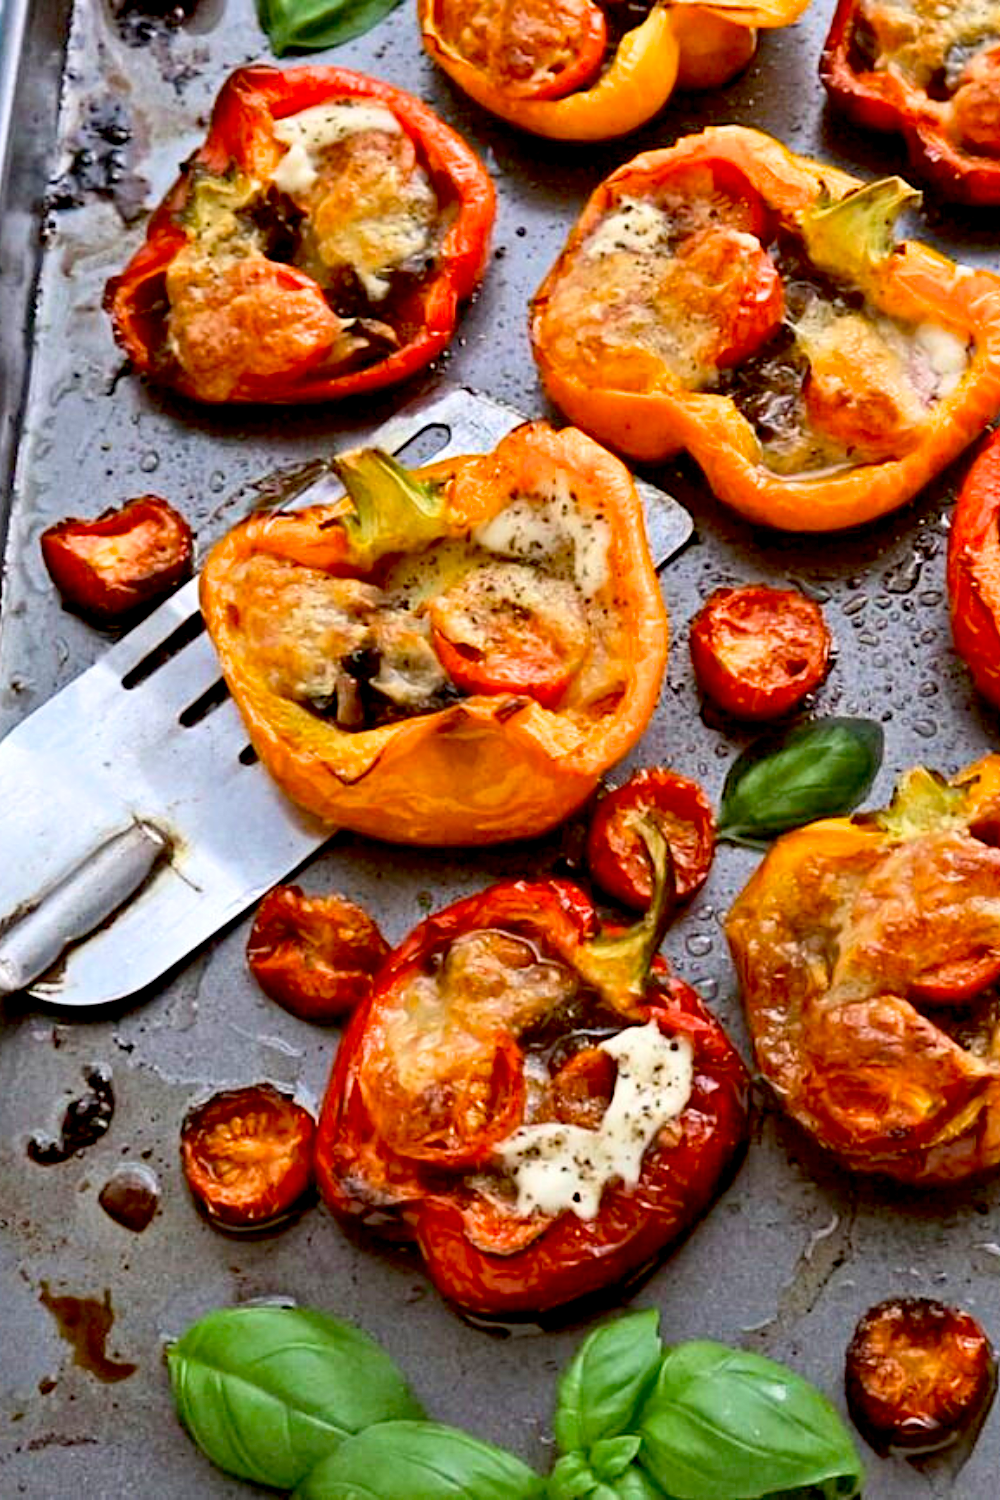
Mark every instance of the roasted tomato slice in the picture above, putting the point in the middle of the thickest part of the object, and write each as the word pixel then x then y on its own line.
pixel 616 854
pixel 247 1155
pixel 757 651
pixel 125 558
pixel 315 955
pixel 507 628
pixel 959 980
pixel 528 48
pixel 918 1374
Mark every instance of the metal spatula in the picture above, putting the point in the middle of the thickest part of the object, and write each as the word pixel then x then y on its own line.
pixel 135 821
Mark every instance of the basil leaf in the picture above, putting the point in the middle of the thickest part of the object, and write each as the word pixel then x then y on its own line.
pixel 267 1391
pixel 606 1380
pixel 310 25
pixel 724 1424
pixel 817 770
pixel 635 1485
pixel 419 1461
pixel 611 1456
pixel 572 1479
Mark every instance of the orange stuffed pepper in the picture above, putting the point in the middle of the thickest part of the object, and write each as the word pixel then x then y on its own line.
pixel 751 306
pixel 317 246
pixel 449 656
pixel 868 951
pixel 576 71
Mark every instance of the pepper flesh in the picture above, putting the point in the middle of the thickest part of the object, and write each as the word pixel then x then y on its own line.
pixel 404 1181
pixel 490 766
pixel 111 566
pixel 276 323
pixel 953 142
pixel 835 938
pixel 630 398
pixel 974 571
pixel 664 50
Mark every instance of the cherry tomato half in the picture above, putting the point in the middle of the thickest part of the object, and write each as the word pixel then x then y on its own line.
pixel 315 955
pixel 757 651
pixel 918 1373
pixel 247 1155
pixel 509 629
pixel 616 853
pixel 125 558
pixel 533 49
pixel 959 980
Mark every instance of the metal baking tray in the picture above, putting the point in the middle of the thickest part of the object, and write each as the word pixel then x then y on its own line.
pixel 103 103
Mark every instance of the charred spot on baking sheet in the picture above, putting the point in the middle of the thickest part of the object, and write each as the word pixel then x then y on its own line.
pixel 99 163
pixel 86 1119
pixel 85 1322
pixel 140 22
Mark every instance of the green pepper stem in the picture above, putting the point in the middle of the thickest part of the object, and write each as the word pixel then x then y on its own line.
pixel 393 511
pixel 618 964
pixel 851 238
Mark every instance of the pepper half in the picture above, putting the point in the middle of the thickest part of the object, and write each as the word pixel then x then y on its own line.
pixel 482 1103
pixel 974 571
pixel 317 246
pixel 555 70
pixel 530 564
pixel 751 306
pixel 931 75
pixel 868 951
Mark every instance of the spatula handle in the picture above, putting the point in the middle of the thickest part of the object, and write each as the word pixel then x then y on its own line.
pixel 85 897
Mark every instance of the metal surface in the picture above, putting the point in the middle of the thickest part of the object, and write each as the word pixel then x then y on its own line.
pixel 795 1249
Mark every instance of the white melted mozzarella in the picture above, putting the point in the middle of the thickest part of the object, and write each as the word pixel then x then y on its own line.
pixel 635 225
pixel 557 1167
pixel 309 132
pixel 947 353
pixel 534 531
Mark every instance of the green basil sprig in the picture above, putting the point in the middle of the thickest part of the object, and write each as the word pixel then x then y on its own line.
pixel 821 769
pixel 310 25
pixel 267 1391
pixel 297 1400
pixel 724 1424
pixel 419 1461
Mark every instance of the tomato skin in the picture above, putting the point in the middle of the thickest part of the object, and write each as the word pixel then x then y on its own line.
pixel 616 854
pixel 128 557
pixel 757 651
pixel 974 571
pixel 247 1155
pixel 917 1373
pixel 314 955
pixel 959 981
pixel 487 1260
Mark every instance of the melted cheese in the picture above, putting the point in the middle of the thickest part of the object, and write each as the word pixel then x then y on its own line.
pixel 311 131
pixel 537 532
pixel 919 38
pixel 558 1167
pixel 635 225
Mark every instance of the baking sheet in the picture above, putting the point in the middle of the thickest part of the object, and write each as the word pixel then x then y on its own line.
pixel 795 1249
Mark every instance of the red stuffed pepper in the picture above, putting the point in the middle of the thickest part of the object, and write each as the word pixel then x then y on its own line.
pixel 930 74
pixel 974 571
pixel 315 247
pixel 528 1101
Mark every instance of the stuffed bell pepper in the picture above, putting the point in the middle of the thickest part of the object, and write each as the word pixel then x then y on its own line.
pixel 540 1105
pixel 974 571
pixel 930 73
pixel 868 951
pixel 579 71
pixel 317 245
pixel 447 656
pixel 752 306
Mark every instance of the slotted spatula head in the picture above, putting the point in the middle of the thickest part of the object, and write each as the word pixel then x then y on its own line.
pixel 136 822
